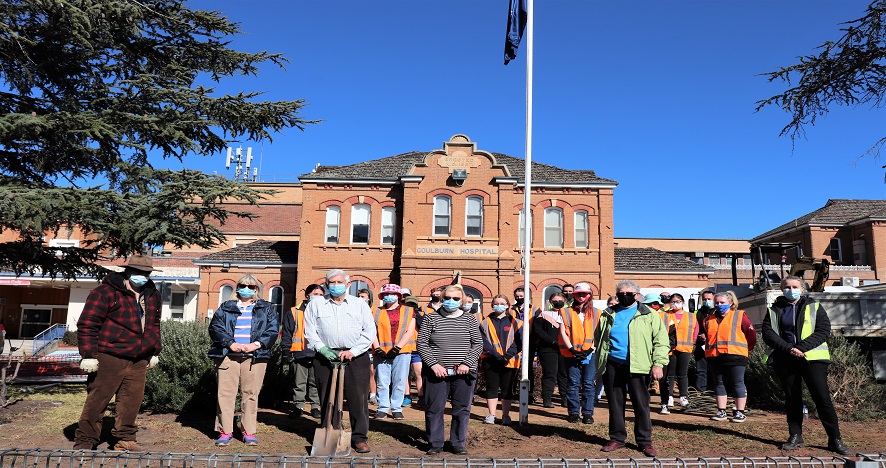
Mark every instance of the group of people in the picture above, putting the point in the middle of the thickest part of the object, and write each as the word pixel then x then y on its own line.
pixel 634 340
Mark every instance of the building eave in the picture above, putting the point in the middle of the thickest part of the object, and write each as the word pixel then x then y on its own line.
pixel 339 180
pixel 598 185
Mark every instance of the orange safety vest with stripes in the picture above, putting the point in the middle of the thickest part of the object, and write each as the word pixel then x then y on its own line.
pixel 386 340
pixel 489 331
pixel 298 335
pixel 686 327
pixel 580 333
pixel 726 337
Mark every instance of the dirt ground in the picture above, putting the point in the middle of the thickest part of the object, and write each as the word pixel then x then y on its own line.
pixel 47 420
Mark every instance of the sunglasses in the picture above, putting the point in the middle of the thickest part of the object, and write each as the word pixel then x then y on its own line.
pixel 254 287
pixel 449 298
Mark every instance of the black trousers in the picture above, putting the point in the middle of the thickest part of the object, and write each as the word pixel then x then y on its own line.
pixel 460 388
pixel 678 368
pixel 616 378
pixel 553 371
pixel 793 372
pixel 356 392
pixel 499 378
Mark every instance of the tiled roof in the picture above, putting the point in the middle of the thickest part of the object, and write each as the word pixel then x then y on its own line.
pixel 395 166
pixel 263 251
pixel 270 219
pixel 631 258
pixel 834 212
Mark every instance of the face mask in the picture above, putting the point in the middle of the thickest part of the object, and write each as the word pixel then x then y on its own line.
pixel 138 280
pixel 723 308
pixel 676 305
pixel 582 298
pixel 246 293
pixel 467 307
pixel 336 290
pixel 654 306
pixel 708 303
pixel 567 296
pixel 435 299
pixel 558 304
pixel 365 299
pixel 311 298
pixel 499 308
pixel 518 301
pixel 625 299
pixel 451 305
pixel 390 299
pixel 792 294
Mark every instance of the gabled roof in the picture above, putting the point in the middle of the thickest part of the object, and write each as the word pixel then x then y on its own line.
pixel 392 167
pixel 260 251
pixel 834 212
pixel 632 258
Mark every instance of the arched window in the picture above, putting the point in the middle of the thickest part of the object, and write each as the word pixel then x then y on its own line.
pixel 478 298
pixel 581 229
pixel 224 293
pixel 548 290
pixel 522 230
pixel 388 224
pixel 360 223
pixel 357 285
pixel 442 215
pixel 474 217
pixel 333 214
pixel 553 228
pixel 275 297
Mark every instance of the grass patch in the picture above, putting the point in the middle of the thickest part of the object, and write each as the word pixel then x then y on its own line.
pixel 60 407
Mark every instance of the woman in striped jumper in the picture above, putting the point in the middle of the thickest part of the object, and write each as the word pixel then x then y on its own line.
pixel 449 342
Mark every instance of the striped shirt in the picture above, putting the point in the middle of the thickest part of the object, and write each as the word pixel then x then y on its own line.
pixel 243 328
pixel 450 340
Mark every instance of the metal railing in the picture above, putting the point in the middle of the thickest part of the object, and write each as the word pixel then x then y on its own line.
pixel 17 457
pixel 786 266
pixel 44 338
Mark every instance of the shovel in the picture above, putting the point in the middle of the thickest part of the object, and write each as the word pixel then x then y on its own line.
pixel 343 447
pixel 328 439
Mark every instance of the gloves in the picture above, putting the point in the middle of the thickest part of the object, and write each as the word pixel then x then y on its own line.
pixel 89 365
pixel 153 362
pixel 329 354
pixel 393 352
pixel 508 356
pixel 501 359
pixel 380 353
pixel 287 356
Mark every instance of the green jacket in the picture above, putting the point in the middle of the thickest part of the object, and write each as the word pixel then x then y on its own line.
pixel 647 340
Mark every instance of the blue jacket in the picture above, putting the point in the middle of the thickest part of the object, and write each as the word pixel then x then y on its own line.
pixel 264 328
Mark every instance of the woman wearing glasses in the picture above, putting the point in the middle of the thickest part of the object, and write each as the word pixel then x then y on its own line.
pixel 243 330
pixel 449 343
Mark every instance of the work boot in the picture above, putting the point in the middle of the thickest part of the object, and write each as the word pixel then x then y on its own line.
pixel 837 445
pixel 794 442
pixel 548 403
pixel 132 446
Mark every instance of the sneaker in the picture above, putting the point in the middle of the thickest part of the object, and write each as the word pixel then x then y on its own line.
pixel 671 401
pixel 489 419
pixel 373 399
pixel 223 440
pixel 380 415
pixel 573 418
pixel 738 417
pixel 664 410
pixel 587 419
pixel 407 401
pixel 397 415
pixel 506 420
pixel 684 402
pixel 250 439
pixel 315 413
pixel 720 416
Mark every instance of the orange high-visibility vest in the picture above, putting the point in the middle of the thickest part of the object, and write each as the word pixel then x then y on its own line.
pixel 726 336
pixel 685 331
pixel 581 334
pixel 298 335
pixel 489 330
pixel 383 326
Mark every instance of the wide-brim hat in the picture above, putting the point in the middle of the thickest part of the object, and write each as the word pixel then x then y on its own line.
pixel 141 263
pixel 389 288
pixel 652 297
pixel 582 288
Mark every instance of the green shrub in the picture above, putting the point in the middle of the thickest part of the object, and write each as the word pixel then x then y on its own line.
pixel 185 378
pixel 277 386
pixel 70 338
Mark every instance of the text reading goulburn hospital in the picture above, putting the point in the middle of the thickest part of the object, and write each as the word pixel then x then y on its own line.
pixel 455 251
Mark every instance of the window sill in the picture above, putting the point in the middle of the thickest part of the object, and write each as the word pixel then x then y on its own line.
pixel 353 247
pixel 453 240
pixel 553 250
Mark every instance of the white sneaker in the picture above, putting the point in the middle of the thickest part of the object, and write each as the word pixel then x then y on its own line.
pixel 665 410
pixel 373 399
pixel 671 401
pixel 490 419
pixel 684 402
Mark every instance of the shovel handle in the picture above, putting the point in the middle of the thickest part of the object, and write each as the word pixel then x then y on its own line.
pixel 330 398
pixel 339 394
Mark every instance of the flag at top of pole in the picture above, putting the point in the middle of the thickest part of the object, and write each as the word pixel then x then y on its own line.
pixel 516 24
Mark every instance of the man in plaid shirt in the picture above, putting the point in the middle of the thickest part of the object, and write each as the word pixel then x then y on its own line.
pixel 118 334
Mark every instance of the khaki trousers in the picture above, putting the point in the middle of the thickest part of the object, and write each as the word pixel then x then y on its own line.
pixel 122 377
pixel 246 374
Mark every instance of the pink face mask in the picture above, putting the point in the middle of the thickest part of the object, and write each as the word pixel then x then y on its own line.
pixel 581 298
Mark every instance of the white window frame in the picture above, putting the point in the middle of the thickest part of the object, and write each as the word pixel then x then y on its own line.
pixel 580 219
pixel 548 228
pixel 333 210
pixel 224 295
pixel 175 313
pixel 63 243
pixel 521 230
pixel 839 250
pixel 447 216
pixel 368 221
pixel 469 216
pixel 388 223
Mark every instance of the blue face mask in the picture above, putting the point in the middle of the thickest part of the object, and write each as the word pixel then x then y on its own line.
pixel 451 305
pixel 499 308
pixel 708 303
pixel 138 280
pixel 336 290
pixel 391 298
pixel 246 293
pixel 792 294
pixel 723 308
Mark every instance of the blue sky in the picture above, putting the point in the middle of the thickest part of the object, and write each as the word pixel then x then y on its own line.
pixel 659 95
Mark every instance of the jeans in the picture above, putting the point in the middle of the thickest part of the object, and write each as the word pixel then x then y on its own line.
pixel 390 381
pixel 581 386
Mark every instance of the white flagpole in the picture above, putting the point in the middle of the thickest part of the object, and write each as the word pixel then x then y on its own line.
pixel 527 217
